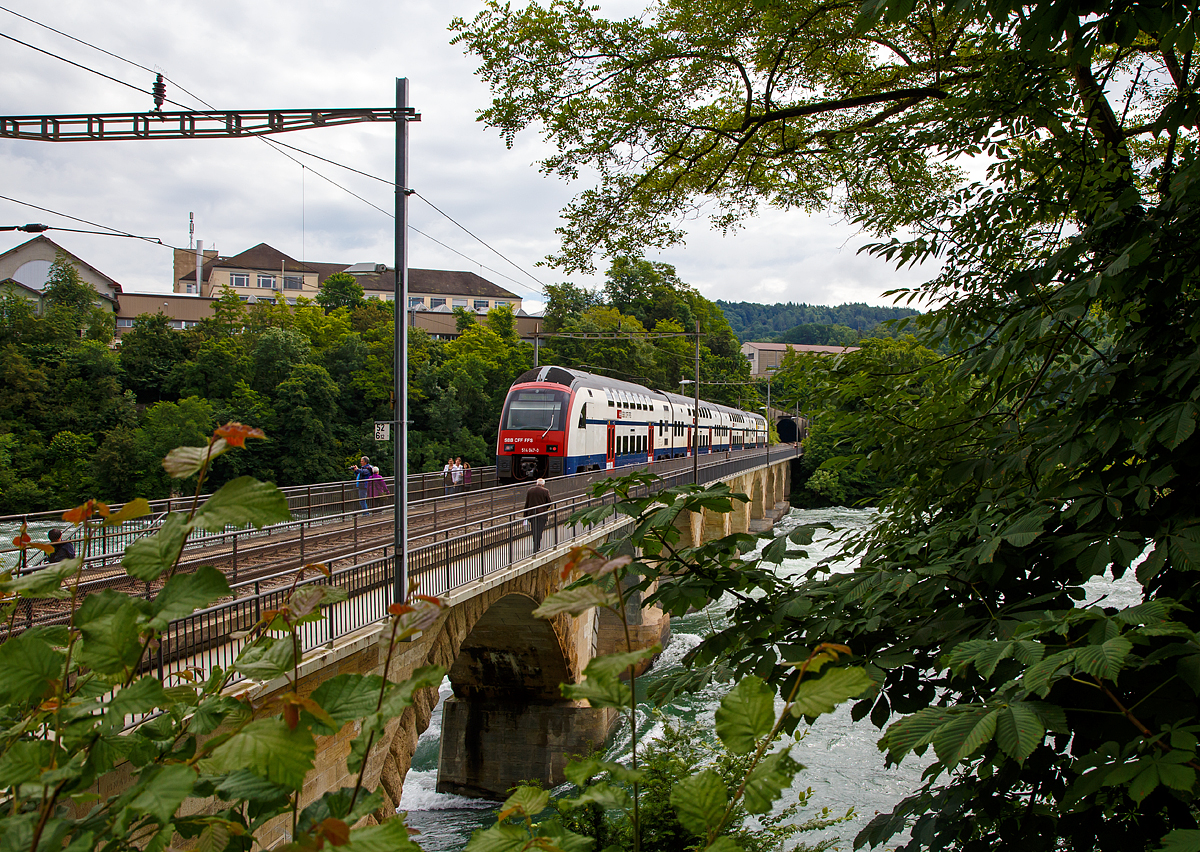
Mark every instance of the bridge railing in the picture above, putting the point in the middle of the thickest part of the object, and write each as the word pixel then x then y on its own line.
pixel 447 560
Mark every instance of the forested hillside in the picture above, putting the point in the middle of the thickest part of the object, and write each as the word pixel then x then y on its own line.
pixel 751 321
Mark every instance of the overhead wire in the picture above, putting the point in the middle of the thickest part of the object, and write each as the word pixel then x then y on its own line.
pixel 115 232
pixel 276 144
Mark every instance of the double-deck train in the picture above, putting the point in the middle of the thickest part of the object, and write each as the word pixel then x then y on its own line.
pixel 559 421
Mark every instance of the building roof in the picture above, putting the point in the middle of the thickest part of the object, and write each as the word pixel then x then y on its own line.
pixel 436 281
pixel 265 257
pixel 76 260
pixel 12 282
pixel 800 347
pixel 378 278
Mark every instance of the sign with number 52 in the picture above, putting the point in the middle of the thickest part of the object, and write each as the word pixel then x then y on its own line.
pixel 383 431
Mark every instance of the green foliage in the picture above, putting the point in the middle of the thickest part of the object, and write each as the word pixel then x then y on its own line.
pixel 97 755
pixel 800 323
pixel 1055 442
pixel 340 290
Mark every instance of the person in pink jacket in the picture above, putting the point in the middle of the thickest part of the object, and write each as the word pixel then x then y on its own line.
pixel 376 487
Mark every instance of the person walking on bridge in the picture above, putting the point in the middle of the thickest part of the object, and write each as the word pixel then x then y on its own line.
pixel 537 502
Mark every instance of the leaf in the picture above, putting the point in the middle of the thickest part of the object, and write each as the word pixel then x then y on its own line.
pixel 162 790
pixel 241 502
pixel 135 508
pixel 1027 527
pixel 336 805
pixel 183 462
pixel 1181 840
pixel 267 658
pixel 1104 661
pixel 30 666
pixel 141 696
pixel 615 665
pixel 268 748
pixel 963 734
pixel 46 582
pixel 823 695
pixel 579 771
pixel 700 801
pixel 912 732
pixel 746 713
pixel 526 801
pixel 185 593
pixel 603 794
pixel 599 691
pixel 390 836
pixel 502 837
pixel 24 761
pixel 150 557
pixel 575 601
pixel 776 551
pixel 346 697
pixel 242 784
pixel 1019 731
pixel 108 622
pixel 770 778
pixel 214 838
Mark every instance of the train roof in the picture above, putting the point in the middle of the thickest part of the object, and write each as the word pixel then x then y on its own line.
pixel 575 379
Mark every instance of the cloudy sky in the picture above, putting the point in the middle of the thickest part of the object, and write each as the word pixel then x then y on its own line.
pixel 270 54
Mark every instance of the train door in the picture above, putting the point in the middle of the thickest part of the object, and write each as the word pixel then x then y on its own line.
pixel 610 458
pixel 649 442
pixel 688 434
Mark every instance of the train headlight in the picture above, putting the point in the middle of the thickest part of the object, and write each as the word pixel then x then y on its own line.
pixel 508 448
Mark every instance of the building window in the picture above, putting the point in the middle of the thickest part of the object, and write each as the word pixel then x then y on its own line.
pixel 414 301
pixel 293 282
pixel 436 303
pixel 266 281
pixel 459 303
pixel 481 304
pixel 501 303
pixel 124 322
pixel 239 279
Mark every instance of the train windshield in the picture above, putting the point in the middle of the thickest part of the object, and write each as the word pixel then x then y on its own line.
pixel 536 409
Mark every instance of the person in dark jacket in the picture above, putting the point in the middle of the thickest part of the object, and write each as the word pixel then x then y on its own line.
pixel 62 549
pixel 537 502
pixel 361 474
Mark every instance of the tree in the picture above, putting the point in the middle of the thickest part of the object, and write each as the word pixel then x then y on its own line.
pixel 340 290
pixel 71 303
pixel 150 352
pixel 1064 446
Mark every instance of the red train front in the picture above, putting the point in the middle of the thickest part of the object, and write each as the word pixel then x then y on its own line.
pixel 533 431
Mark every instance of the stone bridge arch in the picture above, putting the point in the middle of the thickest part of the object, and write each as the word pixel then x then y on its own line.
pixel 506 719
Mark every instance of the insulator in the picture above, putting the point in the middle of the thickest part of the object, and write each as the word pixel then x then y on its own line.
pixel 160 92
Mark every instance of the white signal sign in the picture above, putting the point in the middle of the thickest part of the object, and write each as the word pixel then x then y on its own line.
pixel 383 431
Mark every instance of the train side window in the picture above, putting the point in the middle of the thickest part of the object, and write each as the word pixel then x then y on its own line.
pixel 583 416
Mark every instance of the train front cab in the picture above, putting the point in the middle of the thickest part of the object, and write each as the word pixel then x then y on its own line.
pixel 532 441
